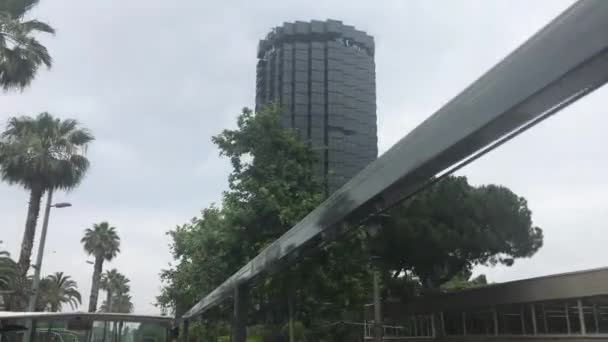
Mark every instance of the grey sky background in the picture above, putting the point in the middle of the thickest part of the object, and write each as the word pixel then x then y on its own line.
pixel 155 79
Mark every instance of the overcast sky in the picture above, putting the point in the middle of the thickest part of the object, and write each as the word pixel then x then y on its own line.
pixel 155 79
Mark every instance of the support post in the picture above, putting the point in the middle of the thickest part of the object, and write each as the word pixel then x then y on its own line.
pixel 581 316
pixel 545 326
pixel 534 327
pixel 183 336
pixel 523 319
pixel 595 319
pixel 239 320
pixel 290 303
pixel 377 307
pixel 495 319
pixel 567 319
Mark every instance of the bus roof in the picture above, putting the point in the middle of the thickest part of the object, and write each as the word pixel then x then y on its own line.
pixel 95 316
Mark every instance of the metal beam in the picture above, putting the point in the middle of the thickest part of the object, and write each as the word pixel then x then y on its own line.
pixel 561 63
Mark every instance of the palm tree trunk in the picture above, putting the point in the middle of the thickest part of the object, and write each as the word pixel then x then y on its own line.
pixel 27 243
pixel 97 269
pixel 109 302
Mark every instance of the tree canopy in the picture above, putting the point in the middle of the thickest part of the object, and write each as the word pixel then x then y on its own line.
pixel 56 290
pixel 424 242
pixel 452 226
pixel 21 54
pixel 272 186
pixel 117 290
pixel 8 271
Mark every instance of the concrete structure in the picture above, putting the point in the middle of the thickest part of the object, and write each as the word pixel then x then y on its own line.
pixel 322 74
pixel 570 306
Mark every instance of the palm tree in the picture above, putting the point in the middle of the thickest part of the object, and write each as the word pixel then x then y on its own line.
pixel 103 243
pixel 13 287
pixel 40 154
pixel 115 284
pixel 120 304
pixel 8 271
pixel 21 54
pixel 56 290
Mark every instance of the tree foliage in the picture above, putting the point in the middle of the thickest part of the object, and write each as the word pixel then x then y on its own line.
pixel 425 242
pixel 56 290
pixel 449 228
pixel 464 280
pixel 21 54
pixel 121 303
pixel 273 185
pixel 8 271
pixel 14 286
pixel 117 290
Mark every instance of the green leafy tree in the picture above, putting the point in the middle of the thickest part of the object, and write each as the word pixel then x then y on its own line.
pixel 39 154
pixel 56 290
pixel 205 253
pixel 103 243
pixel 463 281
pixel 21 54
pixel 441 233
pixel 273 185
pixel 449 228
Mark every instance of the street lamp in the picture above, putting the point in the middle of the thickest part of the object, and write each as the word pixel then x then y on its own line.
pixel 45 224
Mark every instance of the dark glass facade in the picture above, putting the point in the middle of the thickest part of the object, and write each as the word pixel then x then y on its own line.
pixel 322 74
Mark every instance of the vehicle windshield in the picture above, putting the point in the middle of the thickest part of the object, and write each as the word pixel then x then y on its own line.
pixel 82 330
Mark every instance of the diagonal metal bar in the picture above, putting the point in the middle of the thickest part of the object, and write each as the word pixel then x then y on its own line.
pixel 561 63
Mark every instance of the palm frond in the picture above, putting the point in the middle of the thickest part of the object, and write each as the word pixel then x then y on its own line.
pixel 35 25
pixel 21 54
pixel 80 137
pixel 56 290
pixel 17 8
pixel 101 241
pixel 8 270
pixel 45 151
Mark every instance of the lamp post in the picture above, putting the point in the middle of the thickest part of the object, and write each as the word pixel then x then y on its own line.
pixel 45 224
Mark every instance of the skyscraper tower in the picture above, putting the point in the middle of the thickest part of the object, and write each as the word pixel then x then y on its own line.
pixel 322 74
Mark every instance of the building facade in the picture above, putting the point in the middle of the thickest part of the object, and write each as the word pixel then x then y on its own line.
pixel 563 307
pixel 322 74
